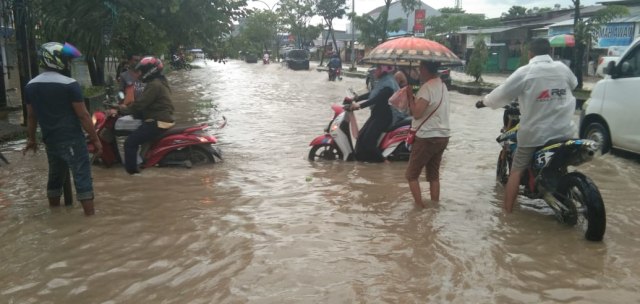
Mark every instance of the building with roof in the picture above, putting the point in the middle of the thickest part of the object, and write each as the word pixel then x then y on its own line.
pixel 505 42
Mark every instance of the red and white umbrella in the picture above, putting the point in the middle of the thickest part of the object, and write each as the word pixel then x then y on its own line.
pixel 407 50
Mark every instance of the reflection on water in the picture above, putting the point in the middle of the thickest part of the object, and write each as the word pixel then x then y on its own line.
pixel 267 226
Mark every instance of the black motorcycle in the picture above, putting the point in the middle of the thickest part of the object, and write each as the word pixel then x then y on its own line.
pixel 574 197
pixel 334 73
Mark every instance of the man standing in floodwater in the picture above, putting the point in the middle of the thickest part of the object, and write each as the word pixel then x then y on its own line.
pixel 54 101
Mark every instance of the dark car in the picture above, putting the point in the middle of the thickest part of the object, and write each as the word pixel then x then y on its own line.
pixel 297 59
pixel 413 76
pixel 250 58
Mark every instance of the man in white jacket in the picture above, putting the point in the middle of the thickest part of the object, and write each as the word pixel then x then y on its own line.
pixel 544 91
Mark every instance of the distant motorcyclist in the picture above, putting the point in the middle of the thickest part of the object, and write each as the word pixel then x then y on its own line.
pixel 334 65
pixel 335 62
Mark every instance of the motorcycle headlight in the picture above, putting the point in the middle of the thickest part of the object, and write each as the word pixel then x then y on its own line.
pixel 94 119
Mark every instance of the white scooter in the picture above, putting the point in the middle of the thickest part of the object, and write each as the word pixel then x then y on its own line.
pixel 337 142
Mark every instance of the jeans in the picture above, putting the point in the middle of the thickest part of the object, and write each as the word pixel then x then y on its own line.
pixel 69 155
pixel 148 131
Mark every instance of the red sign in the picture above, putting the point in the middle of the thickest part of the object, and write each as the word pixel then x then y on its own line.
pixel 418 25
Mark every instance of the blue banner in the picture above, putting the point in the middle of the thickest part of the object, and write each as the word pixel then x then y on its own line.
pixel 614 34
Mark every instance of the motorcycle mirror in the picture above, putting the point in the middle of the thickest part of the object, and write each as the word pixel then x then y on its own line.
pixel 120 96
pixel 353 93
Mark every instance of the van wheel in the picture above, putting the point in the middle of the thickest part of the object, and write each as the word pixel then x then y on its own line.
pixel 597 132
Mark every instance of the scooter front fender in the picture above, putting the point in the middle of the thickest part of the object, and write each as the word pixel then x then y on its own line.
pixel 325 139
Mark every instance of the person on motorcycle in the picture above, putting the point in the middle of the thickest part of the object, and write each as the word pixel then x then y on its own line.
pixel 381 115
pixel 430 111
pixel 154 106
pixel 54 101
pixel 335 62
pixel 544 90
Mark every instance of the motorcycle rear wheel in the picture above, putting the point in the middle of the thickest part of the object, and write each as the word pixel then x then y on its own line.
pixel 581 196
pixel 503 167
pixel 325 152
pixel 190 156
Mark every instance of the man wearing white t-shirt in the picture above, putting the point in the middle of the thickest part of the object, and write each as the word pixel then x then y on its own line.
pixel 544 91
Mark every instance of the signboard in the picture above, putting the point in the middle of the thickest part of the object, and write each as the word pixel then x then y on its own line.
pixel 614 34
pixel 418 25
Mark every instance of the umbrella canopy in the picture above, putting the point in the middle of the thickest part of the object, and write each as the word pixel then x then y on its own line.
pixel 564 40
pixel 407 50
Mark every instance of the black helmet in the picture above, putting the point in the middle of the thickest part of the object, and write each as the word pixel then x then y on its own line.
pixel 149 68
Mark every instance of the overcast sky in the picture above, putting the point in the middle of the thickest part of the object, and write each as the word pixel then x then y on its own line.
pixel 491 8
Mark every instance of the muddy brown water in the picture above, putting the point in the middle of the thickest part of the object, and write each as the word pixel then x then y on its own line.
pixel 268 226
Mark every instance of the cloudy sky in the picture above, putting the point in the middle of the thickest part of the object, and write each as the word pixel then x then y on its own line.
pixel 491 8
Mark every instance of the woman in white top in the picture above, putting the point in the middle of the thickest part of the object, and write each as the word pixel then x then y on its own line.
pixel 430 112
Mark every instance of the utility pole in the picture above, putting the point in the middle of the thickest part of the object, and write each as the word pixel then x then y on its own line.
pixel 21 21
pixel 353 37
pixel 3 60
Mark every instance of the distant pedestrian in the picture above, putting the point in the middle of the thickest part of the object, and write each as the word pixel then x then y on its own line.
pixel 54 101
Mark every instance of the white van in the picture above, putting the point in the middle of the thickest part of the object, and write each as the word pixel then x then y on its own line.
pixel 611 113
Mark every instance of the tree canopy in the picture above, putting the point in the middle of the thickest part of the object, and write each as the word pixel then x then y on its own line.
pixel 117 27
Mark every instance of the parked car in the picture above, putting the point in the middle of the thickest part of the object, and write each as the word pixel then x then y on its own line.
pixel 250 58
pixel 610 115
pixel 297 59
pixel 413 76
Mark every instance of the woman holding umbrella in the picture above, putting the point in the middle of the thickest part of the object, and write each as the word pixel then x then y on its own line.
pixel 430 111
pixel 381 115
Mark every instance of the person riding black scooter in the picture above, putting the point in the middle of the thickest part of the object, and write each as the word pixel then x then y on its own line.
pixel 335 66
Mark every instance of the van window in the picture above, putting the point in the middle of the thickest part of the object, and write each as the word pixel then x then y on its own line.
pixel 630 65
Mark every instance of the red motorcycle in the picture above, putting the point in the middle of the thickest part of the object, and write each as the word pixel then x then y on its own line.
pixel 178 146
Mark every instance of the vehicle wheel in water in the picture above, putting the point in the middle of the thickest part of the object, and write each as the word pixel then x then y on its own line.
pixel 199 156
pixel 188 67
pixel 598 133
pixel 503 168
pixel 580 195
pixel 324 152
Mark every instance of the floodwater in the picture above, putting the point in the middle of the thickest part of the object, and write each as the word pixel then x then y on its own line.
pixel 268 226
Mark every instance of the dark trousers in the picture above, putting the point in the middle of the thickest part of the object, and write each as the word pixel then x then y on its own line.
pixel 148 131
pixel 367 143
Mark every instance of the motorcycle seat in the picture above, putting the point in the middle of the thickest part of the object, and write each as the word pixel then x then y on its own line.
pixel 177 130
pixel 404 122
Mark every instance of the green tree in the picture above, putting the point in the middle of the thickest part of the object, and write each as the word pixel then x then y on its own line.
pixel 113 27
pixel 515 11
pixel 450 23
pixel 587 31
pixel 260 30
pixel 479 57
pixel 374 30
pixel 330 10
pixel 296 18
